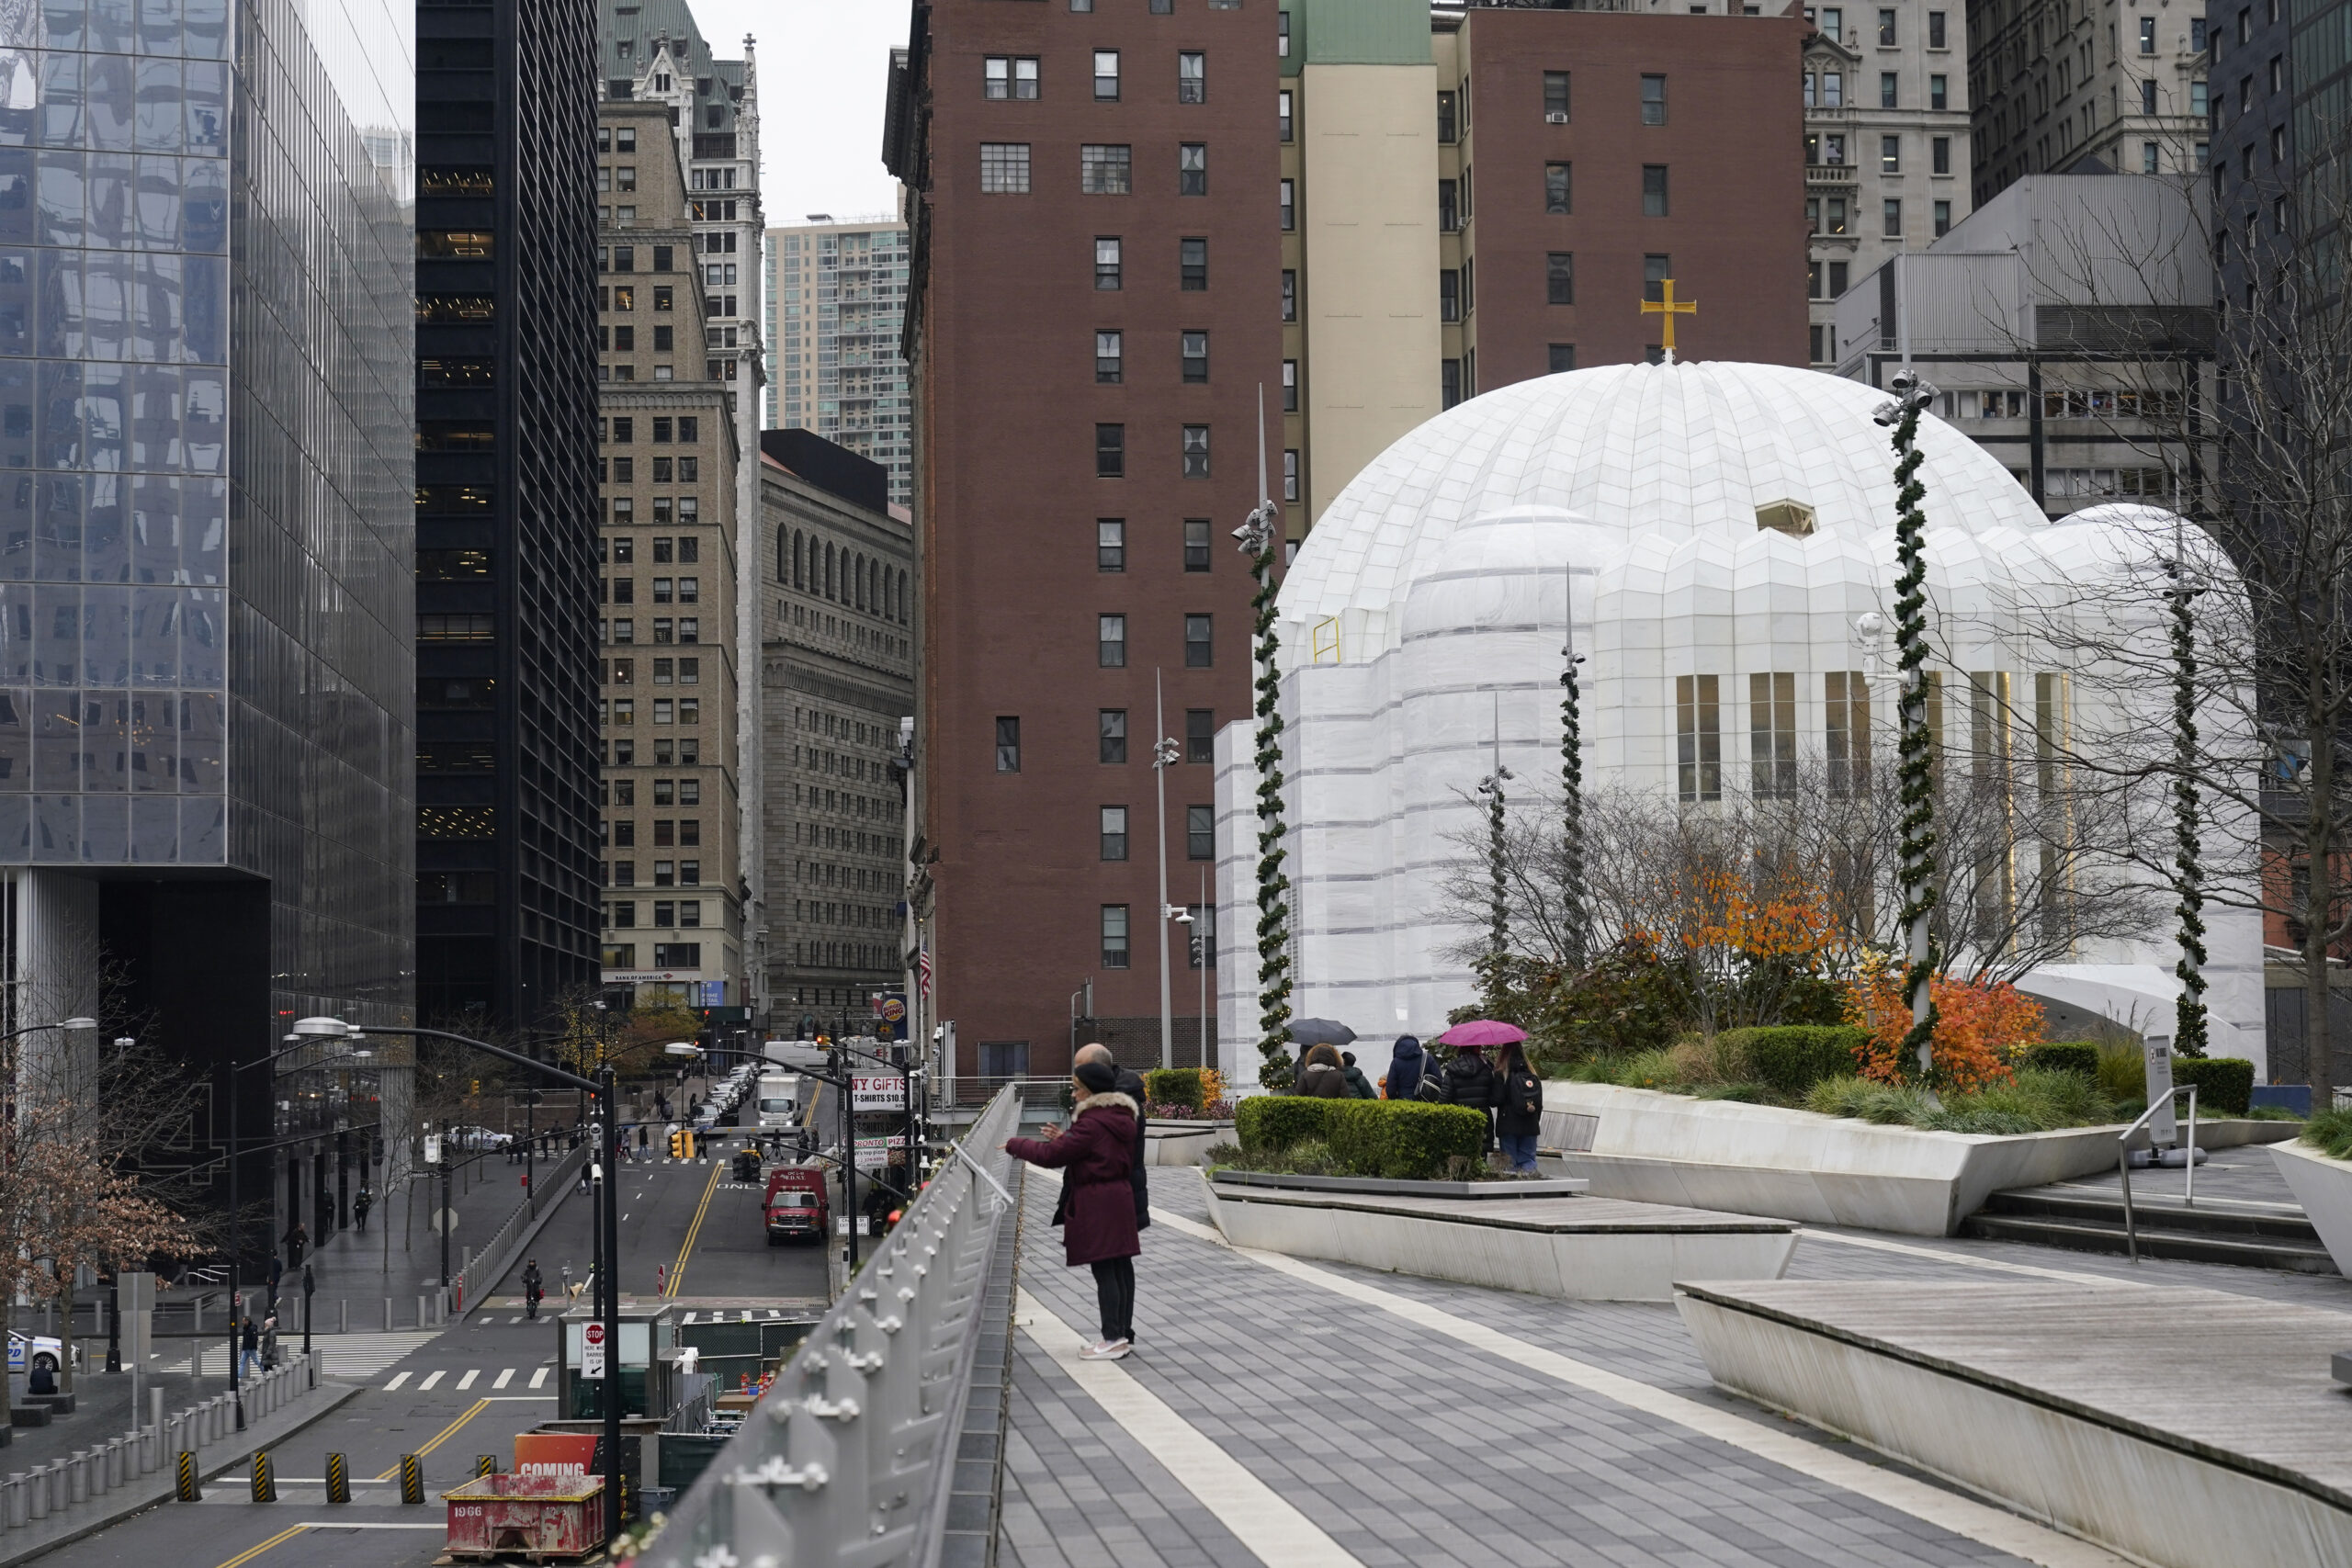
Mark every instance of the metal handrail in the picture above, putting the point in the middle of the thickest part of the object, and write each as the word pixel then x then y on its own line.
pixel 2123 1161
pixel 851 1455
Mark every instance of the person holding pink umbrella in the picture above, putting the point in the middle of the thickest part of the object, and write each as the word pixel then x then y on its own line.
pixel 1469 1079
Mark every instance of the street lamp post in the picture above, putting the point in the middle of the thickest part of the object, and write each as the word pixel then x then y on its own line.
pixel 1164 753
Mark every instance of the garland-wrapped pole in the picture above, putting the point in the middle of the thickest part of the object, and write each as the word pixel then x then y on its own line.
pixel 1571 791
pixel 2189 1027
pixel 1260 538
pixel 1916 770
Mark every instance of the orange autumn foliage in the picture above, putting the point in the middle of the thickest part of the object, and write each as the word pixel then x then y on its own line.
pixel 1978 1027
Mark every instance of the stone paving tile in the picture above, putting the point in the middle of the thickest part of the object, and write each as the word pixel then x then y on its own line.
pixel 1409 1448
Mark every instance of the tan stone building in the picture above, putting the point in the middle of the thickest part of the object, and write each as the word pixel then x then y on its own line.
pixel 675 895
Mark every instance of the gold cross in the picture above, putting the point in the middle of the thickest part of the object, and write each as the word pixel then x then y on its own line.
pixel 1669 307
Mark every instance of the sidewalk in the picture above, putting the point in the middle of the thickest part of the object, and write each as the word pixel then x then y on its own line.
pixel 1317 1415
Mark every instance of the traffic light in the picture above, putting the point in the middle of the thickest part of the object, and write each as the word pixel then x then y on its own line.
pixel 679 1140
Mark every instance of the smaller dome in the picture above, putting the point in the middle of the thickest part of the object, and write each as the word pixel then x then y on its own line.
pixel 1506 571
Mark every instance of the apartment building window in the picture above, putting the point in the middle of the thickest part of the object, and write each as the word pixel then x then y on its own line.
pixel 1198 647
pixel 1105 169
pixel 1886 90
pixel 1847 734
pixel 1192 169
pixel 1196 544
pixel 1196 451
pixel 1289 205
pixel 1449 294
pixel 1449 380
pixel 1654 190
pixel 1290 295
pixel 1833 219
pixel 1939 154
pixel 1200 832
pixel 1192 265
pixel 1936 30
pixel 1008 745
pixel 1943 210
pixel 1938 94
pixel 1106 75
pixel 1448 218
pixel 1193 355
pixel 1114 832
pixel 1200 735
pixel 1656 270
pixel 2148 95
pixel 2246 24
pixel 2147 35
pixel 1556 97
pixel 1107 267
pixel 1011 76
pixel 1772 735
pixel 1892 212
pixel 1281 113
pixel 1560 278
pixel 1446 130
pixel 1698 738
pixel 1290 475
pixel 1111 642
pixel 1111 734
pixel 1004 168
pixel 2278 73
pixel 1889 155
pixel 1469 286
pixel 1114 933
pixel 1821 337
pixel 1290 386
pixel 1653 100
pixel 1833 89
pixel 1886 30
pixel 1555 188
pixel 1110 451
pixel 1191 78
pixel 2277 144
pixel 1560 358
pixel 2201 100
pixel 1109 543
pixel 1110 357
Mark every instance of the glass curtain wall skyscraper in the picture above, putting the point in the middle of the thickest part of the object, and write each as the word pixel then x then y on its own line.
pixel 206 663
pixel 836 297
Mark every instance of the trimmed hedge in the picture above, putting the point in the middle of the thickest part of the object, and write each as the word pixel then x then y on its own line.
pixel 1791 1059
pixel 2062 1057
pixel 2224 1084
pixel 1399 1140
pixel 1173 1085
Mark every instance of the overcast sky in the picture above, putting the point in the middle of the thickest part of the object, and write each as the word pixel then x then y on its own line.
pixel 824 77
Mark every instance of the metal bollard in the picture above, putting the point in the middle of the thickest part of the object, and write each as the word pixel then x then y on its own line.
pixel 411 1479
pixel 342 1315
pixel 12 1499
pixel 191 1490
pixel 37 1493
pixel 264 1478
pixel 77 1476
pixel 387 1314
pixel 423 1318
pixel 485 1464
pixel 338 1480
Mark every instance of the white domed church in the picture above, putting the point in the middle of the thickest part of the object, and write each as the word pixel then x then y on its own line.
pixel 1720 539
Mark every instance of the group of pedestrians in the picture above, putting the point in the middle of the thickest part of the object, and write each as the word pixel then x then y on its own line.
pixel 1506 1091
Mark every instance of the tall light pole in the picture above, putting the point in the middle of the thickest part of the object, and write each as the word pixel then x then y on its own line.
pixel 1164 753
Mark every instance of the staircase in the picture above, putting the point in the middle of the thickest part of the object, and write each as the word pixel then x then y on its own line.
pixel 2216 1231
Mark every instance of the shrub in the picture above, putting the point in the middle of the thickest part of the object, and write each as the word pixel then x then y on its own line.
pixel 2224 1084
pixel 1650 1070
pixel 1267 1122
pixel 2123 1070
pixel 1978 1027
pixel 2062 1057
pixel 2040 1100
pixel 1793 1058
pixel 1887 1104
pixel 1996 1123
pixel 1174 1085
pixel 2330 1132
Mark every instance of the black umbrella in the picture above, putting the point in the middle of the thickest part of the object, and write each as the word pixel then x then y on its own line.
pixel 1312 1031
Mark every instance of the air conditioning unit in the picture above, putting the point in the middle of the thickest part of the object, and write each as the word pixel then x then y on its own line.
pixel 1555 117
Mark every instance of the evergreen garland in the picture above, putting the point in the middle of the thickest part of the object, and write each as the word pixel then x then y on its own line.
pixel 1571 800
pixel 2189 1030
pixel 1274 1069
pixel 1916 772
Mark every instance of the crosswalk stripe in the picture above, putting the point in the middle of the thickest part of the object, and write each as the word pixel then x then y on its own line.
pixel 504 1378
pixel 539 1378
pixel 396 1382
pixel 431 1378
pixel 467 1380
pixel 357 1356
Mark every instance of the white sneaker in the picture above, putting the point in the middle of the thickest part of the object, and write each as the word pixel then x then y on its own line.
pixel 1105 1351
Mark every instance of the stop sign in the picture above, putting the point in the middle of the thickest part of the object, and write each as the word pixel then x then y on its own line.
pixel 596 1334
pixel 591 1358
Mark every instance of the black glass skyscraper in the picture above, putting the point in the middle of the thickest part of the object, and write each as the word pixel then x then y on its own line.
pixel 506 503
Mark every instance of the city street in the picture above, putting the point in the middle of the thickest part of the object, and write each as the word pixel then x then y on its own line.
pixel 468 1389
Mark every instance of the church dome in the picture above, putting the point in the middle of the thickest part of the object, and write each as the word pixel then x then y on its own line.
pixel 1675 453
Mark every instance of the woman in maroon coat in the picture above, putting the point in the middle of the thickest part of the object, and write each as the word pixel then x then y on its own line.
pixel 1096 1156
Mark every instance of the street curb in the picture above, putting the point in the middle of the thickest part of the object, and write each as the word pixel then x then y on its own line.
pixel 565 1194
pixel 138 1496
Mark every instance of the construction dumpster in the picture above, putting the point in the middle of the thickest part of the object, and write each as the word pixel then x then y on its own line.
pixel 542 1518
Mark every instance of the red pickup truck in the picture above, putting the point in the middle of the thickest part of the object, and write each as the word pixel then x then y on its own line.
pixel 795 1205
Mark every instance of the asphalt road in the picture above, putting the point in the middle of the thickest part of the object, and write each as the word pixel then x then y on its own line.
pixel 464 1390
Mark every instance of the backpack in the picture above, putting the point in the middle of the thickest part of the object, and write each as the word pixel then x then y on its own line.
pixel 1526 1093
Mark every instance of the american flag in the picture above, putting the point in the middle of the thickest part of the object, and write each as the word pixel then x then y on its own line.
pixel 922 971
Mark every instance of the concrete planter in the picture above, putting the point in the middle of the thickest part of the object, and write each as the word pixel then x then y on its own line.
pixel 2324 1187
pixel 1178 1141
pixel 1377 1187
pixel 1761 1159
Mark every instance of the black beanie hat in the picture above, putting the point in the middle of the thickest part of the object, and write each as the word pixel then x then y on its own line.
pixel 1100 1078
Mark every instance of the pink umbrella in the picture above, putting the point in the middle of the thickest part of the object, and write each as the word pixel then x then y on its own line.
pixel 1482 1032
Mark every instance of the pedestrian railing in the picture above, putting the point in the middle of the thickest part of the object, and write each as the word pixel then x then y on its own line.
pixel 490 1259
pixel 849 1457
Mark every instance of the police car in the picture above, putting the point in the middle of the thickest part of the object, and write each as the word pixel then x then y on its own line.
pixel 43 1350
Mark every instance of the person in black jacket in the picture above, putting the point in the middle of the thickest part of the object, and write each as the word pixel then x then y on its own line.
pixel 1359 1086
pixel 1321 1075
pixel 1470 1080
pixel 1519 1108
pixel 1405 1067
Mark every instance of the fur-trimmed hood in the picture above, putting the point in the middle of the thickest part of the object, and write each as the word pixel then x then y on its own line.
pixel 1114 1101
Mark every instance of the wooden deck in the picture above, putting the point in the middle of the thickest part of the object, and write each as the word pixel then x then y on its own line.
pixel 2234 1382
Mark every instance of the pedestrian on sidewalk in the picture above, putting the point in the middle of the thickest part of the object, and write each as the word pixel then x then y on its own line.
pixel 1406 1062
pixel 1359 1086
pixel 276 1273
pixel 1519 1108
pixel 1096 1154
pixel 1321 1075
pixel 298 1240
pixel 644 1140
pixel 1470 1080
pixel 269 1343
pixel 359 1207
pixel 1131 1085
pixel 251 1341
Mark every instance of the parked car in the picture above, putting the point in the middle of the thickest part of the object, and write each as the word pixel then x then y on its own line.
pixel 479 1138
pixel 44 1352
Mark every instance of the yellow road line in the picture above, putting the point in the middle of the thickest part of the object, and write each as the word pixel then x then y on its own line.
pixel 440 1438
pixel 678 1270
pixel 279 1540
